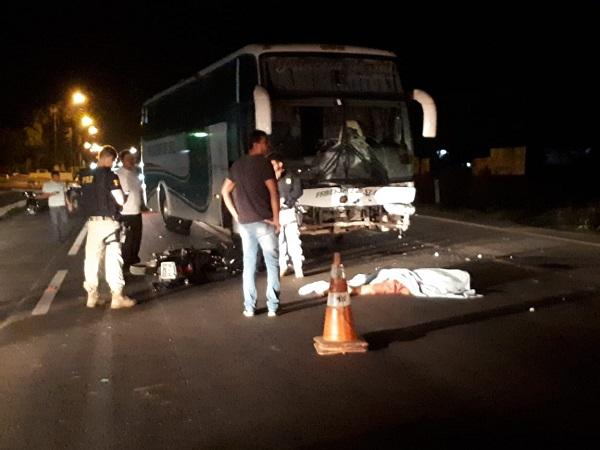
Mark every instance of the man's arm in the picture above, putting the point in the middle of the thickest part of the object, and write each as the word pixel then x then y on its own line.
pixel 274 194
pixel 124 182
pixel 118 196
pixel 116 190
pixel 226 190
pixel 67 201
pixel 46 192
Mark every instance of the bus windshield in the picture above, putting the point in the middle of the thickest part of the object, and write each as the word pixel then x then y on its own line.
pixel 357 143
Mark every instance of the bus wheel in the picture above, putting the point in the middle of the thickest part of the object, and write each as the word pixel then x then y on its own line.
pixel 175 224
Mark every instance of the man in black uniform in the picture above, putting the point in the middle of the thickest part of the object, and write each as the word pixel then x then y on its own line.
pixel 290 190
pixel 102 199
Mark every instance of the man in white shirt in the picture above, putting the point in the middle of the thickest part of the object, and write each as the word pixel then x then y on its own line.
pixel 131 215
pixel 56 193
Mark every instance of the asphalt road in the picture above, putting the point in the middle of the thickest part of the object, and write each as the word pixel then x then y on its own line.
pixel 185 369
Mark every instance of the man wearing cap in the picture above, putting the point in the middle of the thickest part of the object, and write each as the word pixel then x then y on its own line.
pixel 290 190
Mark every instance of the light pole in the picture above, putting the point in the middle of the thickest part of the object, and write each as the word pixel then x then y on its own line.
pixel 53 113
pixel 78 99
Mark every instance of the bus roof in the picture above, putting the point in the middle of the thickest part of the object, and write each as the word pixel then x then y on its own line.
pixel 256 50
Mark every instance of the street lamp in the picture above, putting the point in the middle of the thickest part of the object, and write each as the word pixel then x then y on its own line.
pixel 78 98
pixel 86 121
pixel 92 130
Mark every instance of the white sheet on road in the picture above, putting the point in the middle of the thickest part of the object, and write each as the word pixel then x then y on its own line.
pixel 434 282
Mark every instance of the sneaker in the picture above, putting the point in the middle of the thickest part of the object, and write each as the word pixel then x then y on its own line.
pixel 92 299
pixel 121 301
pixel 248 313
pixel 271 314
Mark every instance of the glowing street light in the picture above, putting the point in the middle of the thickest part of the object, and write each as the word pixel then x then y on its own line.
pixel 87 145
pixel 92 130
pixel 78 98
pixel 86 121
pixel 95 148
pixel 133 150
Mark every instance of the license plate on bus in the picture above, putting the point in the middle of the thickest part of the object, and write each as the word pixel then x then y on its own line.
pixel 168 270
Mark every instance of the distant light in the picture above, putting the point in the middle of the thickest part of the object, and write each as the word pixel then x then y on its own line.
pixel 141 165
pixel 141 177
pixel 468 164
pixel 95 148
pixel 299 170
pixel 86 121
pixel 441 153
pixel 200 134
pixel 78 98
pixel 133 150
pixel 184 151
pixel 93 165
pixel 93 130
pixel 87 145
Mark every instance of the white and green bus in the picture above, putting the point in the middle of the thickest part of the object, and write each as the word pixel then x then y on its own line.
pixel 338 115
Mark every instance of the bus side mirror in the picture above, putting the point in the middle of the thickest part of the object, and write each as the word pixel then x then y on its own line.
pixel 262 109
pixel 429 112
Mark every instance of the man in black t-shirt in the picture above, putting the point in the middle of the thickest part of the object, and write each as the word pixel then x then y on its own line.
pixel 250 194
pixel 102 198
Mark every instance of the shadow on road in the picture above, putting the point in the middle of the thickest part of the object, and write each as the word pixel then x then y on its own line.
pixel 381 339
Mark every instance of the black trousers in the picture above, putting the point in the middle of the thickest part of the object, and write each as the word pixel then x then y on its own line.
pixel 133 238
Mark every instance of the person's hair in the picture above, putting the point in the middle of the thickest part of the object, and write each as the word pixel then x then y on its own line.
pixel 257 136
pixel 55 172
pixel 108 150
pixel 124 155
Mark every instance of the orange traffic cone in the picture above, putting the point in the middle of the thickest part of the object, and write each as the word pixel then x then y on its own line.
pixel 338 332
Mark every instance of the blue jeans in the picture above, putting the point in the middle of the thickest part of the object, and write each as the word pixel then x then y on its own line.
pixel 253 235
pixel 60 222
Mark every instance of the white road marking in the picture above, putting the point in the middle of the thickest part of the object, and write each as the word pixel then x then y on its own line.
pixel 43 305
pixel 77 244
pixel 7 208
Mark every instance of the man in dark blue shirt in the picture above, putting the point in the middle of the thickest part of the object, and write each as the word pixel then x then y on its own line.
pixel 102 198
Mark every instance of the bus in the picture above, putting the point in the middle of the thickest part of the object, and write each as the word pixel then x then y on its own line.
pixel 337 114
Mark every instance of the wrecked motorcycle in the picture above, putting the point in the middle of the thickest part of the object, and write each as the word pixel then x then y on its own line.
pixel 185 266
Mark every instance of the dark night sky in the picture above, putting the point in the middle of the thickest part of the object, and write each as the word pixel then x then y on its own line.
pixel 500 74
